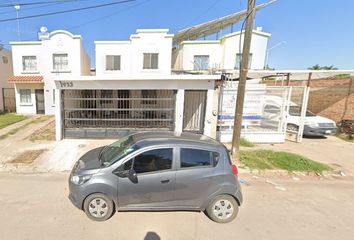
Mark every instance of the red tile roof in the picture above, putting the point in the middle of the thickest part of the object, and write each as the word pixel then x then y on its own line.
pixel 26 79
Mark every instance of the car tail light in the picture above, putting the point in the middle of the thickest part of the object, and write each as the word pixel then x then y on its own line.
pixel 234 170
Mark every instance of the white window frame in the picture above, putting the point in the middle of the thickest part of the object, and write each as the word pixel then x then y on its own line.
pixel 53 97
pixel 238 60
pixel 62 64
pixel 148 61
pixel 199 64
pixel 29 63
pixel 25 96
pixel 113 66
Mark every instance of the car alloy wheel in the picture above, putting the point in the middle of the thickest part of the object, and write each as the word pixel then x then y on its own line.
pixel 223 209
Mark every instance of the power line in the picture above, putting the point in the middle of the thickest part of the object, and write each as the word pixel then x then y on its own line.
pixel 67 11
pixel 35 3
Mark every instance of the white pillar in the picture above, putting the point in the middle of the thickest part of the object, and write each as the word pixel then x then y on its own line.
pixel 179 111
pixel 209 113
pixel 58 116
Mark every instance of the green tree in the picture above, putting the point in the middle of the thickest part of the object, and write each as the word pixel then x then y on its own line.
pixel 318 67
pixel 315 67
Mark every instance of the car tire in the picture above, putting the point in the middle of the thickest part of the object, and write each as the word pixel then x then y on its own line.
pixel 222 209
pixel 292 127
pixel 98 207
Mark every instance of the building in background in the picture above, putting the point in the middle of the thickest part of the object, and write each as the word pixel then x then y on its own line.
pixel 7 93
pixel 37 63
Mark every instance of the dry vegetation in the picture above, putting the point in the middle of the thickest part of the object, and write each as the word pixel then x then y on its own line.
pixel 28 157
pixel 46 133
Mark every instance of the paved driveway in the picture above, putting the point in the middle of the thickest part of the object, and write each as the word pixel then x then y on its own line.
pixel 35 207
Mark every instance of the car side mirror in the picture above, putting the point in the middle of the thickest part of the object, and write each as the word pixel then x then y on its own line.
pixel 132 176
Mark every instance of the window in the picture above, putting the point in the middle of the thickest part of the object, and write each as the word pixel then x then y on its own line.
pixel 239 58
pixel 25 96
pixel 201 62
pixel 112 63
pixel 150 96
pixel 153 160
pixel 198 158
pixel 151 61
pixel 296 111
pixel 53 96
pixel 29 63
pixel 60 61
pixel 5 60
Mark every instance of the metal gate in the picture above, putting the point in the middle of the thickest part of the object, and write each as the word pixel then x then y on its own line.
pixel 113 113
pixel 9 99
pixel 194 110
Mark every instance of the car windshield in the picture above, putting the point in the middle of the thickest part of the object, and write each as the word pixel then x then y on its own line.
pixel 117 150
pixel 296 111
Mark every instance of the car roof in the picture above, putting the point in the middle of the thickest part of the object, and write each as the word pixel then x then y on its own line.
pixel 144 139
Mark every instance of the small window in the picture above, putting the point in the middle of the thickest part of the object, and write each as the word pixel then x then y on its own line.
pixel 53 96
pixel 198 158
pixel 5 60
pixel 153 160
pixel 60 61
pixel 25 96
pixel 149 96
pixel 29 63
pixel 112 63
pixel 151 61
pixel 239 59
pixel 201 62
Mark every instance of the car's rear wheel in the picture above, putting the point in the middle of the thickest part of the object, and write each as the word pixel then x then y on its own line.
pixel 222 209
pixel 98 207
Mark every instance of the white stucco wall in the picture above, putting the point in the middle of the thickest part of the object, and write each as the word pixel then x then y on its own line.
pixel 131 52
pixel 222 52
pixel 58 42
pixel 26 108
pixel 5 72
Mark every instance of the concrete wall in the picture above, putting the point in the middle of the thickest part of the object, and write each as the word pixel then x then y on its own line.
pixel 131 52
pixel 27 108
pixel 332 97
pixel 58 42
pixel 6 70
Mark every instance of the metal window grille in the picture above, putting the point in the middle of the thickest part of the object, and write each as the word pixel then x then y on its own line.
pixel 60 61
pixel 112 62
pixel 119 109
pixel 29 63
pixel 201 62
pixel 151 61
pixel 25 95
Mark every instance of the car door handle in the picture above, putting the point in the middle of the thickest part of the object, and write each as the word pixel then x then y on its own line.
pixel 165 181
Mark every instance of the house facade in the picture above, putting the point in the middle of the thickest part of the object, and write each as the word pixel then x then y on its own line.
pixel 223 54
pixel 7 102
pixel 37 63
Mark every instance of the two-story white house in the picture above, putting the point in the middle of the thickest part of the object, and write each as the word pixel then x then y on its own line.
pixel 37 63
pixel 7 102
pixel 222 54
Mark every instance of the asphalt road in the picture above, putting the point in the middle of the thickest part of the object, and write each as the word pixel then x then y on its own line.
pixel 36 207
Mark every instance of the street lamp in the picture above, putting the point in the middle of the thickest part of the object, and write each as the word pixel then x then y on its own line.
pixel 268 50
pixel 17 8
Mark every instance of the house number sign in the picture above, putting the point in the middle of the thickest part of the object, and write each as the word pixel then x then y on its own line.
pixel 66 84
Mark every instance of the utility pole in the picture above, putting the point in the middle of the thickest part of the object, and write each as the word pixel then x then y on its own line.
pixel 235 148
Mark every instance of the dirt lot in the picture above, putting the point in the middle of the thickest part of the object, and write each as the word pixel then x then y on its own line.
pixel 34 206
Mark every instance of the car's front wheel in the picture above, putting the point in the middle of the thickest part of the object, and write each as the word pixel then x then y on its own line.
pixel 98 207
pixel 222 209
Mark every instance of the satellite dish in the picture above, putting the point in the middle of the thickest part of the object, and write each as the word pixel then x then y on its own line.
pixel 43 29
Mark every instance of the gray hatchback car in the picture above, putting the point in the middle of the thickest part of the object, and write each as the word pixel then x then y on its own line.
pixel 157 171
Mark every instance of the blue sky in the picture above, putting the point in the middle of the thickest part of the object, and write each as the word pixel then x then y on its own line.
pixel 315 31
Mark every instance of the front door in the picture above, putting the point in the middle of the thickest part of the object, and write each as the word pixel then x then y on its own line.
pixel 194 110
pixel 39 101
pixel 154 187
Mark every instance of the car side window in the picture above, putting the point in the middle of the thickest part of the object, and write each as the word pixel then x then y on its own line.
pixel 198 158
pixel 153 160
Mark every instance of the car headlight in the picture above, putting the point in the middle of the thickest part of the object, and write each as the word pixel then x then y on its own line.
pixel 78 180
pixel 312 124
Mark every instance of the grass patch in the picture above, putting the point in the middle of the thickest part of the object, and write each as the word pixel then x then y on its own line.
pixel 7 119
pixel 245 143
pixel 346 137
pixel 15 130
pixel 28 157
pixel 268 159
pixel 46 133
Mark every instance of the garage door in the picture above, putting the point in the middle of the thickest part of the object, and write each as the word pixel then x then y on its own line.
pixel 114 113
